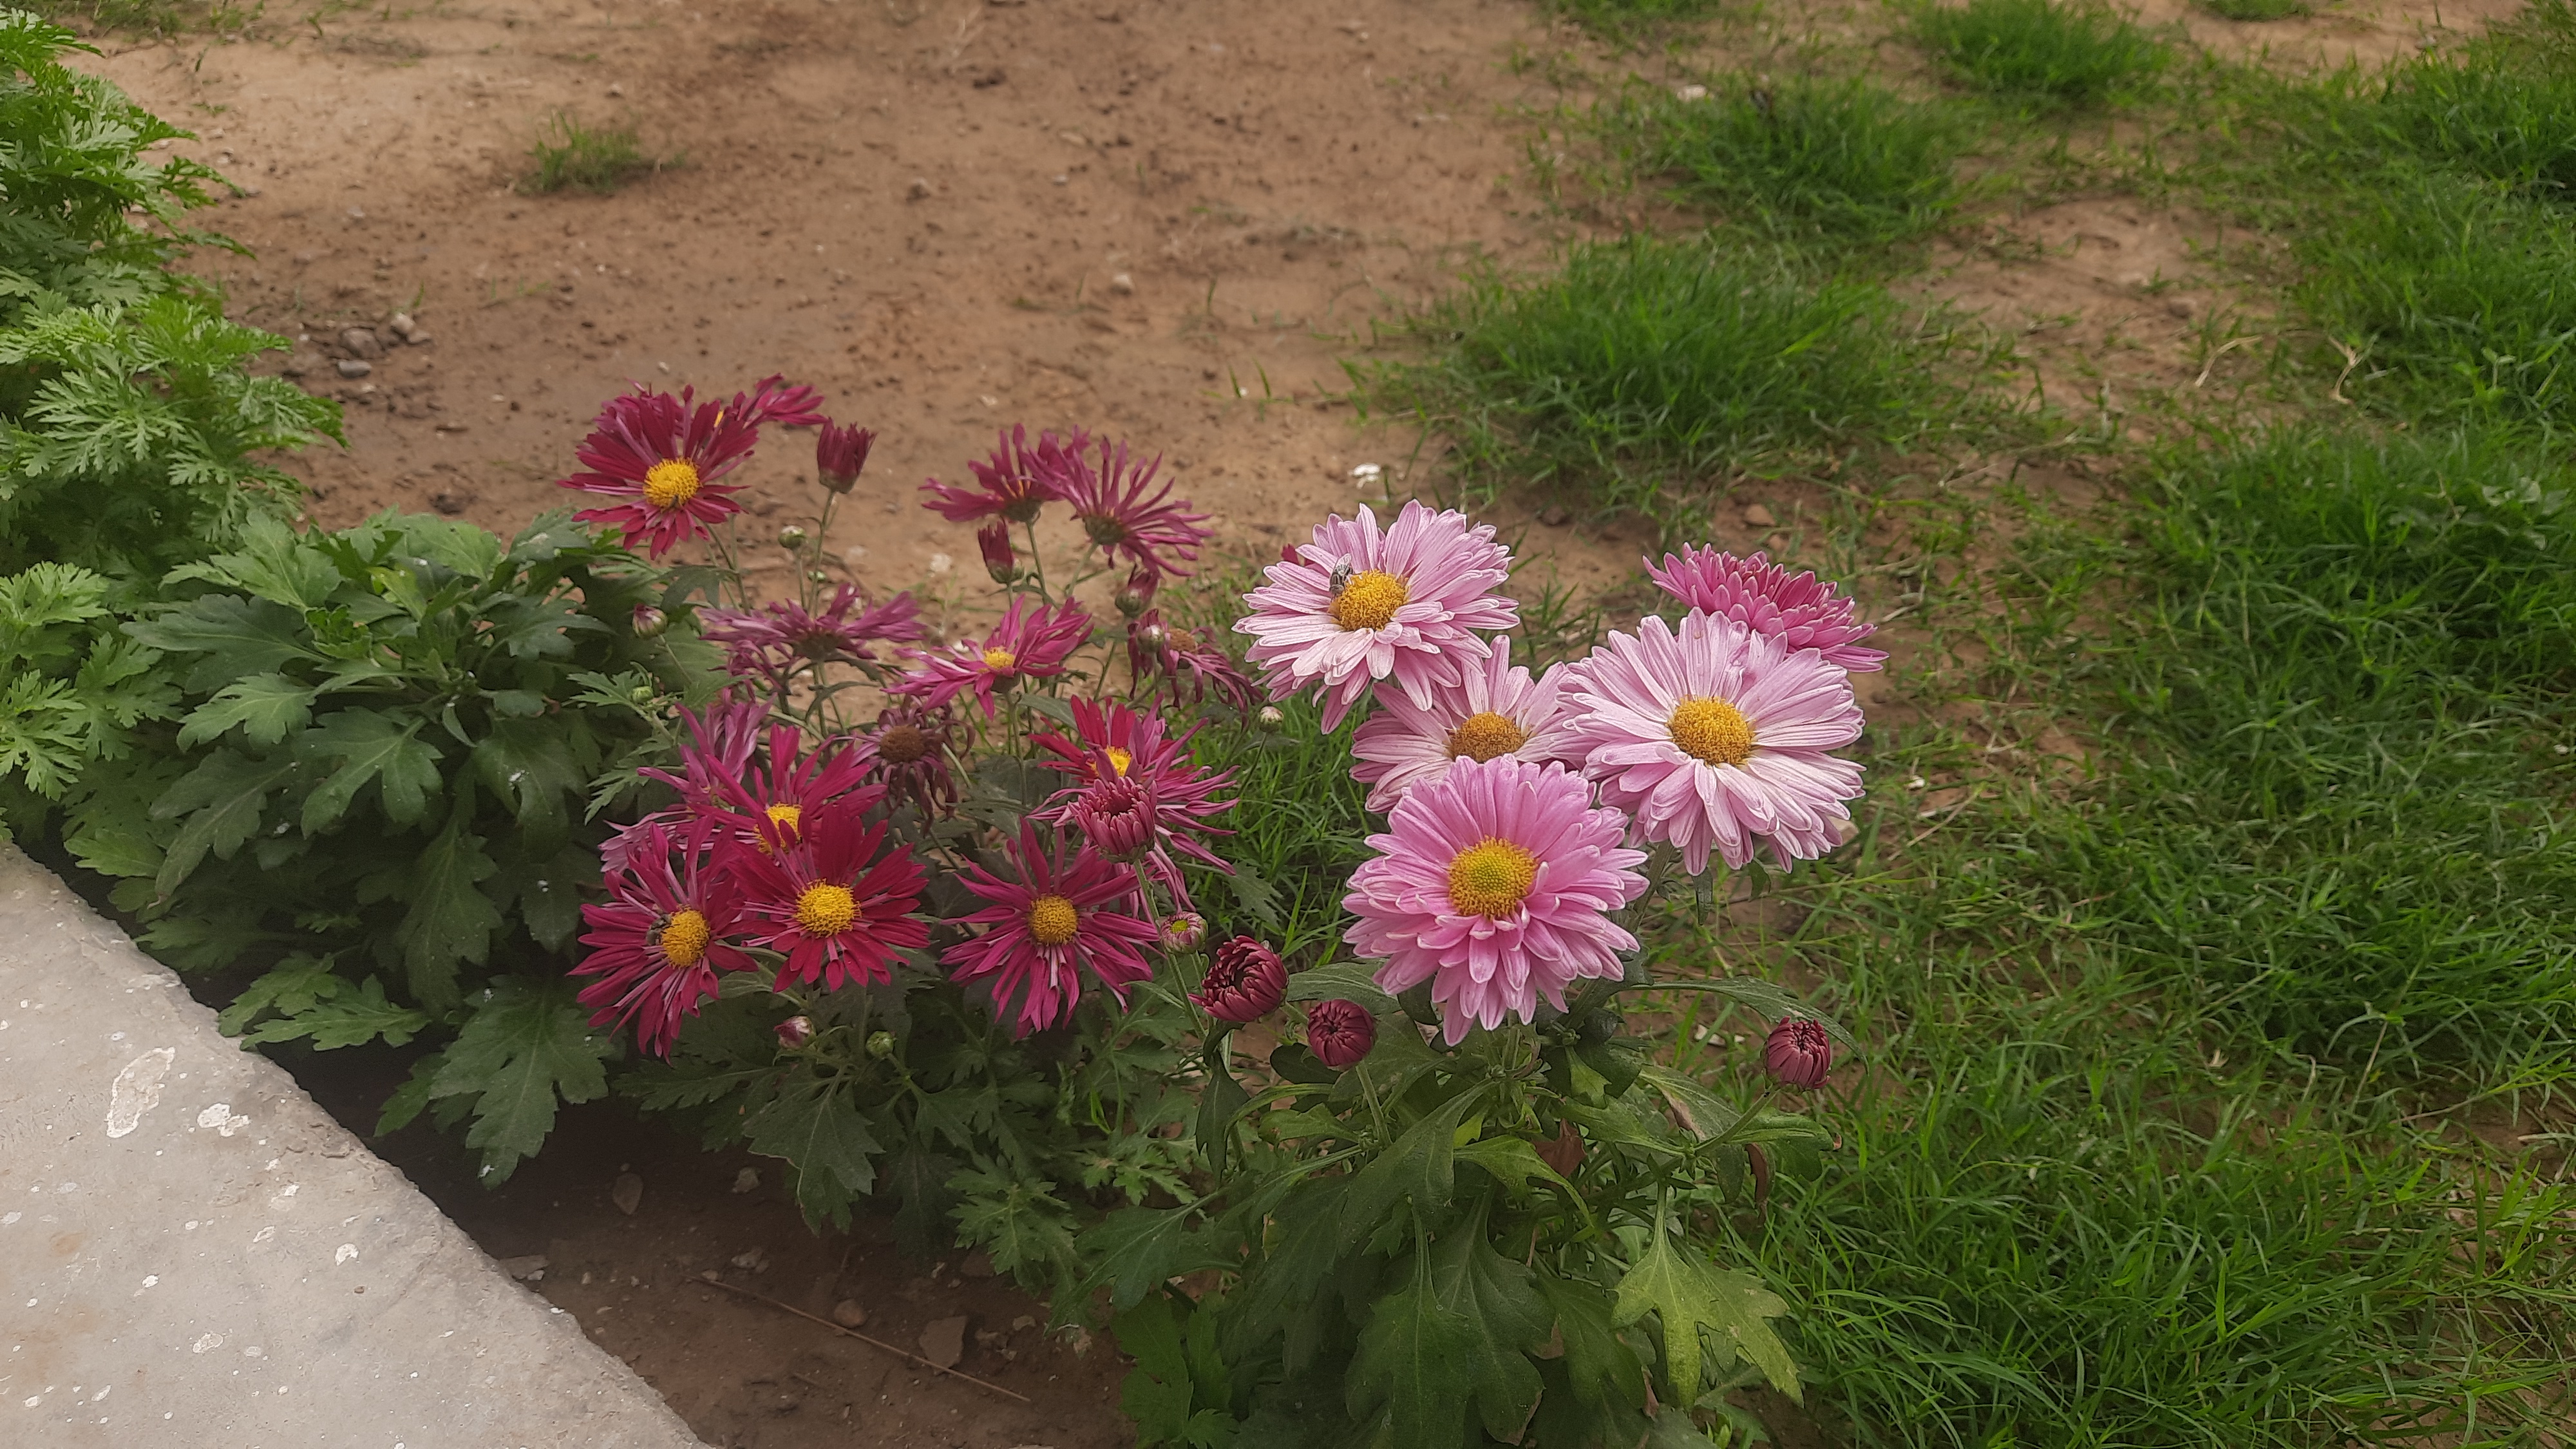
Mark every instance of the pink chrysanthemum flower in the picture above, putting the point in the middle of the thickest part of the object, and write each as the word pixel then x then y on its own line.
pixel 1015 482
pixel 659 941
pixel 1717 738
pixel 1800 609
pixel 782 635
pixel 1498 710
pixel 664 455
pixel 1031 642
pixel 1057 920
pixel 1494 883
pixel 1359 605
pixel 824 898
pixel 1119 516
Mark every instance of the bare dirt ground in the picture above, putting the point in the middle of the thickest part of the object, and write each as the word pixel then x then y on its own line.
pixel 1162 220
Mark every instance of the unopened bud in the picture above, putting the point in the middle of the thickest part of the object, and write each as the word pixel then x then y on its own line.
pixel 795 1031
pixel 791 538
pixel 1185 931
pixel 649 622
pixel 1154 637
pixel 1798 1054
pixel 880 1044
pixel 1269 720
pixel 1137 594
pixel 994 541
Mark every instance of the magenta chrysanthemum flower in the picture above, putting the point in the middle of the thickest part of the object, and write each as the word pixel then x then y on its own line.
pixel 1016 482
pixel 1717 738
pixel 912 747
pixel 664 455
pixel 782 635
pixel 1131 777
pixel 723 779
pixel 1031 642
pixel 658 943
pixel 1497 710
pixel 1057 920
pixel 824 897
pixel 1186 667
pixel 1494 883
pixel 1800 609
pixel 1119 516
pixel 1359 605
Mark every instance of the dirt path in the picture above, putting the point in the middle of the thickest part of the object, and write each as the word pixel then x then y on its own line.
pixel 1159 220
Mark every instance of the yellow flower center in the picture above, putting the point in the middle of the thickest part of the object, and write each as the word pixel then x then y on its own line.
pixel 1491 878
pixel 826 910
pixel 1712 730
pixel 1053 920
pixel 1485 736
pixel 1000 661
pixel 1119 759
pixel 787 818
pixel 671 482
pixel 1369 600
pixel 685 938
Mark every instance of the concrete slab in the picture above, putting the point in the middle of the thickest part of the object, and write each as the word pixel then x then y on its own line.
pixel 193 1254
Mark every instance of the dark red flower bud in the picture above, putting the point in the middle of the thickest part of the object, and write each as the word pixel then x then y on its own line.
pixel 1137 594
pixel 1340 1033
pixel 839 454
pixel 795 1031
pixel 1116 815
pixel 994 539
pixel 1245 982
pixel 1798 1054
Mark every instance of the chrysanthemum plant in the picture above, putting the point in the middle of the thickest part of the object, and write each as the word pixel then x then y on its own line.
pixel 891 925
pixel 1469 1206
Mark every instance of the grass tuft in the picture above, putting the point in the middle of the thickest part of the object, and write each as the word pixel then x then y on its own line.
pixel 569 153
pixel 2070 53
pixel 2257 9
pixel 1647 373
pixel 1804 158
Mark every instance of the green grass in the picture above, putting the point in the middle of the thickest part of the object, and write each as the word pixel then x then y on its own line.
pixel 569 153
pixel 1626 19
pixel 2070 53
pixel 2257 9
pixel 1802 158
pixel 1299 829
pixel 2153 1152
pixel 1647 373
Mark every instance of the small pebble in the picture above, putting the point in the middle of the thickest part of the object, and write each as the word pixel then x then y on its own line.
pixel 1123 284
pixel 527 1268
pixel 628 1193
pixel 1757 516
pixel 919 189
pixel 362 343
pixel 756 1260
pixel 746 1180
pixel 354 367
pixel 849 1314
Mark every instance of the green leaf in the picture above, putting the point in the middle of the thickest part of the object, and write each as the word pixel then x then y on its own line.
pixel 1021 1225
pixel 352 1016
pixel 405 1105
pixel 1301 1257
pixel 1157 1393
pixel 1340 980
pixel 1695 1108
pixel 1599 1364
pixel 1136 1250
pixel 238 637
pixel 1414 1361
pixel 550 894
pixel 526 1044
pixel 823 1136
pixel 1513 1162
pixel 1219 1101
pixel 370 747
pixel 1500 1301
pixel 268 707
pixel 450 921
pixel 1673 1429
pixel 221 800
pixel 1687 1295
pixel 293 985
pixel 528 764
pixel 918 1177
pixel 1258 897
pixel 1422 1165
pixel 1770 1000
